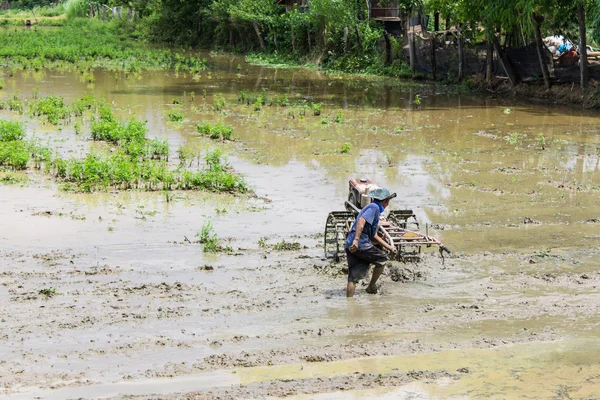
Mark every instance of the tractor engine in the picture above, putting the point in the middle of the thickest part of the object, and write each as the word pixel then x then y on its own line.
pixel 358 192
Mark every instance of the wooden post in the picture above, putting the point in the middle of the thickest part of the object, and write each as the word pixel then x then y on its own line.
pixel 128 14
pixel 433 61
pixel 119 11
pixel 309 41
pixel 540 50
pixel 512 77
pixel 293 39
pixel 388 48
pixel 436 21
pixel 461 61
pixel 260 39
pixel 412 51
pixel 447 24
pixel 583 67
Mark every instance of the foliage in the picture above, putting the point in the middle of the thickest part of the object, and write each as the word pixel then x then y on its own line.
pixel 11 131
pixel 345 148
pixel 175 115
pixel 52 106
pixel 283 245
pixel 208 238
pixel 219 130
pixel 87 43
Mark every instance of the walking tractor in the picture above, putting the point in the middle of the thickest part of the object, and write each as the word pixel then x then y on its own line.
pixel 400 228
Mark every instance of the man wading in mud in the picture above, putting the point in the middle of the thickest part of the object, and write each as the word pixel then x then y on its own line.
pixel 359 247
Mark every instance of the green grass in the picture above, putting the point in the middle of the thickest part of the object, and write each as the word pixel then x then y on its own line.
pixel 84 44
pixel 11 130
pixel 52 106
pixel 288 246
pixel 219 130
pixel 175 115
pixel 14 154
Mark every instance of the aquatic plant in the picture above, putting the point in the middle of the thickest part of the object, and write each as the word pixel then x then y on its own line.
pixel 513 138
pixel 542 140
pixel 316 108
pixel 208 238
pixel 417 100
pixel 262 242
pixel 345 148
pixel 51 106
pixel 96 43
pixel 11 131
pixel 339 117
pixel 218 102
pixel 283 245
pixel 219 130
pixel 108 129
pixel 175 115
pixel 48 292
pixel 14 154
pixel 13 104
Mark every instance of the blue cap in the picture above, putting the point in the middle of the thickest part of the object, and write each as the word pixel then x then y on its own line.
pixel 381 194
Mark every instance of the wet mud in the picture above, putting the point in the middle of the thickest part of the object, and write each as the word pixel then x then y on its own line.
pixel 107 295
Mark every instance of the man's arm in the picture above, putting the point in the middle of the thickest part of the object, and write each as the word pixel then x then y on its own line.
pixel 382 242
pixel 360 225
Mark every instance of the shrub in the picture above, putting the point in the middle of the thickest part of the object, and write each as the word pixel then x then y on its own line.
pixel 219 130
pixel 175 115
pixel 11 131
pixel 52 106
pixel 14 154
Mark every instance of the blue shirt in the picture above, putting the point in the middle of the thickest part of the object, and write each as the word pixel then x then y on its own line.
pixel 371 214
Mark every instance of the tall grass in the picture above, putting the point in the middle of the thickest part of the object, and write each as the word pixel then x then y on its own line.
pixel 87 43
pixel 76 8
pixel 16 152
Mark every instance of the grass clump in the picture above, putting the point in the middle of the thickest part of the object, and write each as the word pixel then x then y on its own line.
pixel 48 292
pixel 175 115
pixel 219 130
pixel 283 245
pixel 14 154
pixel 10 179
pixel 316 108
pixel 108 129
pixel 88 42
pixel 15 151
pixel 219 102
pixel 210 240
pixel 11 131
pixel 14 104
pixel 52 106
pixel 346 147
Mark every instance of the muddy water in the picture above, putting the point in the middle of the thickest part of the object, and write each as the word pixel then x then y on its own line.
pixel 511 188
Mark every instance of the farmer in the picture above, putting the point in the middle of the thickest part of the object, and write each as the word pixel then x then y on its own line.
pixel 359 247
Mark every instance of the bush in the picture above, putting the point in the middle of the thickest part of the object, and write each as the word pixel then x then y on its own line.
pixel 220 130
pixel 14 154
pixel 52 106
pixel 11 131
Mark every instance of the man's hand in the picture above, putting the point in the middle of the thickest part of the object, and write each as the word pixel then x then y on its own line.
pixel 392 249
pixel 354 246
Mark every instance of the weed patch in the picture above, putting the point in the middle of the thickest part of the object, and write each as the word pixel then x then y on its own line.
pixel 219 130
pixel 283 245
